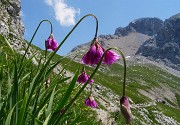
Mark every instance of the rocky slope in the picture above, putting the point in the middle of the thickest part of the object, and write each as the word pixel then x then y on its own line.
pixel 129 38
pixel 11 25
pixel 10 21
pixel 149 37
pixel 165 44
pixel 146 97
pixel 148 26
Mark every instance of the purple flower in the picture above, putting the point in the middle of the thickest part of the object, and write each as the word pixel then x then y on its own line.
pixel 125 109
pixel 91 102
pixel 84 77
pixel 51 43
pixel 110 57
pixel 94 54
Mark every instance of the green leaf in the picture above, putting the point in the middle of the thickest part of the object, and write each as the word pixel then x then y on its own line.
pixel 50 102
pixel 1 77
pixel 15 94
pixel 68 92
pixel 2 38
pixel 42 104
pixel 75 120
pixel 52 86
pixel 22 111
pixel 24 65
pixel 23 78
pixel 47 119
pixel 8 120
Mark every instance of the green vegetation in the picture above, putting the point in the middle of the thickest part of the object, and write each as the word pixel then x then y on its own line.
pixel 24 97
pixel 23 92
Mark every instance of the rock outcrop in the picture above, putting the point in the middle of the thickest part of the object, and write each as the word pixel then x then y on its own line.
pixel 165 44
pixel 10 18
pixel 148 26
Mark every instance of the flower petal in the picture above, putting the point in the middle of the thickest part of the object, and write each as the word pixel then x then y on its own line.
pixel 91 102
pixel 111 57
pixel 125 109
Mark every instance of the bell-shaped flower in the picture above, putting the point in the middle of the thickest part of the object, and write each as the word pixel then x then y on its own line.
pixel 125 109
pixel 83 77
pixel 91 102
pixel 94 54
pixel 110 57
pixel 51 43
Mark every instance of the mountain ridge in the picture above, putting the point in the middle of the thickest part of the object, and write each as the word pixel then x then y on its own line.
pixel 165 44
pixel 146 85
pixel 135 40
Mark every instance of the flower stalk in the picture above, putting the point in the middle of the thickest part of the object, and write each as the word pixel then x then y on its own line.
pixel 35 34
pixel 92 75
pixel 72 31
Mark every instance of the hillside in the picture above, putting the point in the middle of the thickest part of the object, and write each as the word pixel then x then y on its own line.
pixel 154 93
pixel 152 38
pixel 165 44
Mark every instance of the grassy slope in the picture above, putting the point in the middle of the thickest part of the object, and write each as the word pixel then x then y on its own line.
pixel 112 78
pixel 150 76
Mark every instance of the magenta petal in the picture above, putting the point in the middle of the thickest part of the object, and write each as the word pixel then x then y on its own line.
pixel 92 51
pixel 93 56
pixel 54 44
pixel 91 102
pixel 82 78
pixel 94 104
pixel 86 59
pixel 51 43
pixel 98 55
pixel 91 81
pixel 87 102
pixel 48 43
pixel 125 109
pixel 111 57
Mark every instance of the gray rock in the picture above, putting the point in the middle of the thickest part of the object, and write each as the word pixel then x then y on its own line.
pixel 165 45
pixel 10 20
pixel 3 28
pixel 148 26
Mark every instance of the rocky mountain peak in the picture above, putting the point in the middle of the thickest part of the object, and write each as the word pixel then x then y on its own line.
pixel 10 18
pixel 175 17
pixel 148 26
pixel 165 45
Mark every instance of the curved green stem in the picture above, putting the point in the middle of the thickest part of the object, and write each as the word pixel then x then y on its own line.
pixel 34 36
pixel 72 31
pixel 124 61
pixel 95 70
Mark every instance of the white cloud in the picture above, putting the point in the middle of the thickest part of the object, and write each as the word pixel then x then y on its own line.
pixel 49 2
pixel 63 13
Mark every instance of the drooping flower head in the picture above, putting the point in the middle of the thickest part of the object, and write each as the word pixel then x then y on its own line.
pixel 84 77
pixel 94 54
pixel 125 109
pixel 51 43
pixel 91 102
pixel 110 57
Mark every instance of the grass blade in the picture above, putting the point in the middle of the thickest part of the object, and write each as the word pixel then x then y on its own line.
pixel 1 77
pixel 22 110
pixel 47 119
pixel 50 102
pixel 8 120
pixel 2 38
pixel 68 92
pixel 75 120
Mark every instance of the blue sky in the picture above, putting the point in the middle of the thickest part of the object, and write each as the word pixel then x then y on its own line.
pixel 110 13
